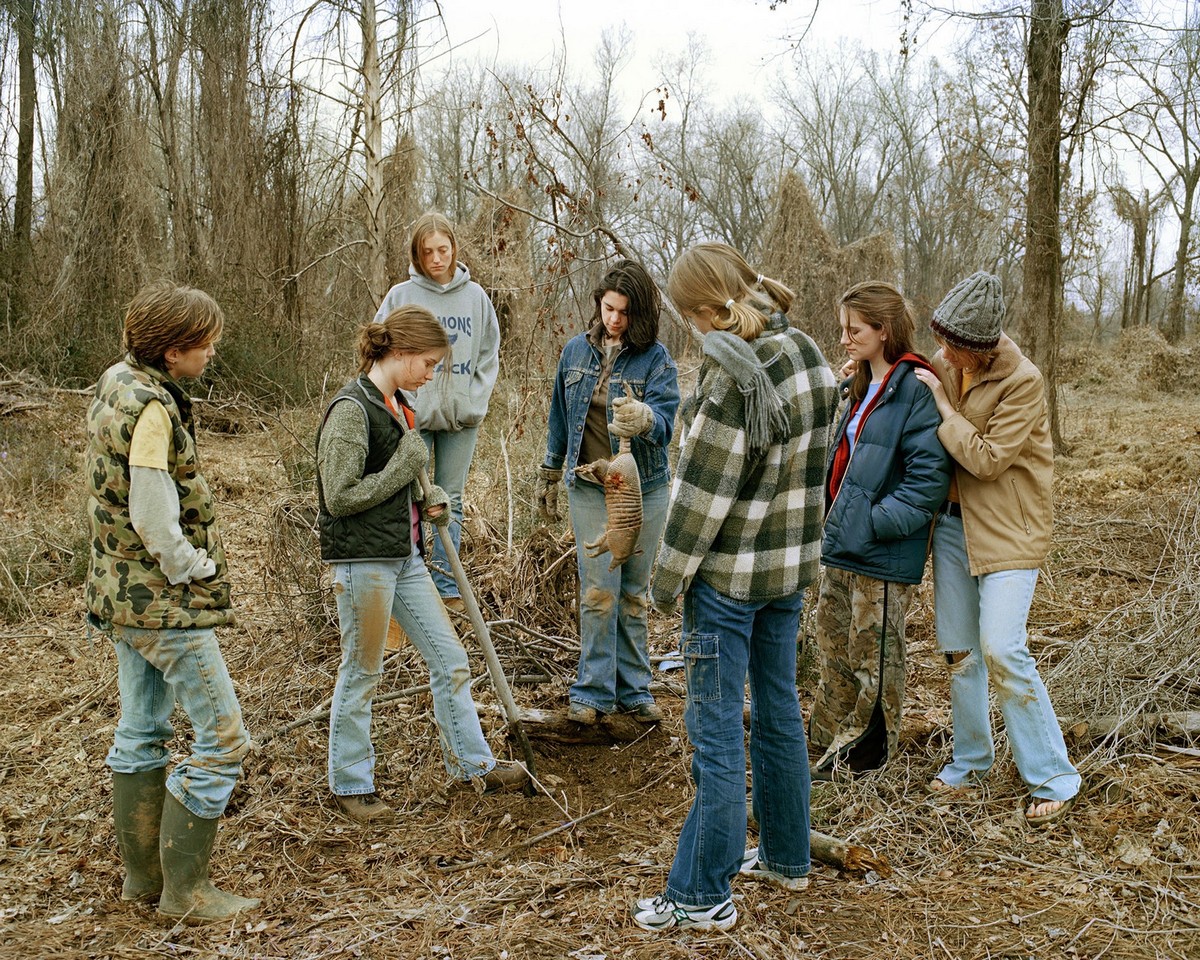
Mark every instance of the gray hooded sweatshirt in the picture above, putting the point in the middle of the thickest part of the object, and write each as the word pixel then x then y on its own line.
pixel 460 399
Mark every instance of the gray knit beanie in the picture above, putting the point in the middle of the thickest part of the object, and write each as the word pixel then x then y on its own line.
pixel 969 316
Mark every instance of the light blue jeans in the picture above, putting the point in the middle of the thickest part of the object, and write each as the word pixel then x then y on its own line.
pixel 452 451
pixel 985 618
pixel 614 655
pixel 369 593
pixel 723 640
pixel 156 667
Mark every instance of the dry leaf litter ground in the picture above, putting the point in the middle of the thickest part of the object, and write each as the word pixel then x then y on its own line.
pixel 1115 627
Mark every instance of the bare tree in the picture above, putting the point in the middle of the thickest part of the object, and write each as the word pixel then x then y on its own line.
pixel 1141 213
pixel 1163 123
pixel 21 258
pixel 833 129
pixel 1043 286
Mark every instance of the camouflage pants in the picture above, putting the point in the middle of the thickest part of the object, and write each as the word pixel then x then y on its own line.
pixel 860 653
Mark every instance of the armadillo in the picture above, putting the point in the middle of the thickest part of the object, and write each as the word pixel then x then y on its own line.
pixel 623 500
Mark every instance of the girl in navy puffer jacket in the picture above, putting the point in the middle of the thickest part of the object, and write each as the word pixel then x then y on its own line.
pixel 886 479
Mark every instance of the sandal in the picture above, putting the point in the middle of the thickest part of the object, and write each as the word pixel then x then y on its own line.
pixel 1050 816
pixel 939 787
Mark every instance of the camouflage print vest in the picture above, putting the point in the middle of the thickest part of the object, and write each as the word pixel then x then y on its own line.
pixel 125 584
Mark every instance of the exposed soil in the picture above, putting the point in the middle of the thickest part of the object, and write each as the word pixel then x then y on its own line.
pixel 1117 879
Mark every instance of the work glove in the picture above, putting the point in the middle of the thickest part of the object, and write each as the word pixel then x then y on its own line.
pixel 631 418
pixel 546 495
pixel 410 456
pixel 437 498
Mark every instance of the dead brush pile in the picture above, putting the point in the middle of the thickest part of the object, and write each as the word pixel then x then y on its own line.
pixel 1131 679
pixel 1141 363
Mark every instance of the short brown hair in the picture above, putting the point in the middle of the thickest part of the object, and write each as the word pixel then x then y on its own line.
pixel 407 329
pixel 165 315
pixel 426 224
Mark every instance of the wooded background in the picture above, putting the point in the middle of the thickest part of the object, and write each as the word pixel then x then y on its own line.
pixel 275 155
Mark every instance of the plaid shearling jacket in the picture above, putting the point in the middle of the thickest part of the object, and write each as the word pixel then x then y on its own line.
pixel 750 524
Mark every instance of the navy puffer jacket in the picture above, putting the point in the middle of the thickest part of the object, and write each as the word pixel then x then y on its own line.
pixel 896 478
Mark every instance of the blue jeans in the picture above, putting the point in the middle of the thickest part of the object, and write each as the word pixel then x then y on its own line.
pixel 723 639
pixel 369 592
pixel 156 667
pixel 452 451
pixel 985 618
pixel 614 655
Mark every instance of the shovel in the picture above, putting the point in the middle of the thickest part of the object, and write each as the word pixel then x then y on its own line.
pixel 495 670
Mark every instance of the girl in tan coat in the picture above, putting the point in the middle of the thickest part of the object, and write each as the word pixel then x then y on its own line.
pixel 990 537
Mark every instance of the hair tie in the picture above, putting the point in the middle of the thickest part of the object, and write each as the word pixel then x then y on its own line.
pixel 729 304
pixel 759 280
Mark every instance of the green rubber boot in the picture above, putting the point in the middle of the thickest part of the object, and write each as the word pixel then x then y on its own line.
pixel 185 846
pixel 137 813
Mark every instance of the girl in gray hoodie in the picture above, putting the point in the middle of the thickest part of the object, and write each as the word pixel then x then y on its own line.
pixel 450 408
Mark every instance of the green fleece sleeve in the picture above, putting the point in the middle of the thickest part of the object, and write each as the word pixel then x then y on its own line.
pixel 342 456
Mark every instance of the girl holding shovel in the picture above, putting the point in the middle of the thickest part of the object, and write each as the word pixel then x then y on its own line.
pixel 369 460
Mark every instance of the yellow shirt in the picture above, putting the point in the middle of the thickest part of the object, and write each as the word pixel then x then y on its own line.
pixel 151 438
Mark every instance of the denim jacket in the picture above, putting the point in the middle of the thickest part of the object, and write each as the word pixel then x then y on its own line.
pixel 651 377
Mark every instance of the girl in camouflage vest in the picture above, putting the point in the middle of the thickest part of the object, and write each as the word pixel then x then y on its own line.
pixel 157 585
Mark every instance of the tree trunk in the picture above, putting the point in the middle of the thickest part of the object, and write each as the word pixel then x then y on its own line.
pixel 22 257
pixel 373 159
pixel 1175 305
pixel 1043 288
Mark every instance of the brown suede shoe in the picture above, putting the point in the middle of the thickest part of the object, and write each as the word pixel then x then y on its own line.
pixel 364 808
pixel 505 776
pixel 582 713
pixel 647 713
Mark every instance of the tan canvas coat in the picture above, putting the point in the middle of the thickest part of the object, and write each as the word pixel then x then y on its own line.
pixel 1004 462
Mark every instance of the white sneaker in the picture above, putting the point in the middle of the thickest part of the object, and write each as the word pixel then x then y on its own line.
pixel 663 913
pixel 753 867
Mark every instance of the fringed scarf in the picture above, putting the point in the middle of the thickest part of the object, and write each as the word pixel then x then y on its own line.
pixel 766 420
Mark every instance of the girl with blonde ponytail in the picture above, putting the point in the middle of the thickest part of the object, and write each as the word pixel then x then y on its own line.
pixel 742 541
pixel 714 286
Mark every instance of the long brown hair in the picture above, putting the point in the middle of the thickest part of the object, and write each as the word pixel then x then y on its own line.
pixel 631 280
pixel 881 306
pixel 425 225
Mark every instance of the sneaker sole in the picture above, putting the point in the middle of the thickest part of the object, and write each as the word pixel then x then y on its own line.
pixel 750 868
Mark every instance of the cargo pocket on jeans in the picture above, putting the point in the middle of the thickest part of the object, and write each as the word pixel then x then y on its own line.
pixel 701 659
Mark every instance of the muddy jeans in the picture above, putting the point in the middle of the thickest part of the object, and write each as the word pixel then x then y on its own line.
pixel 726 641
pixel 154 669
pixel 369 593
pixel 981 628
pixel 452 451
pixel 860 652
pixel 614 655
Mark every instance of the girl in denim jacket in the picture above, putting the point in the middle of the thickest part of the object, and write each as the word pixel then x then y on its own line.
pixel 614 381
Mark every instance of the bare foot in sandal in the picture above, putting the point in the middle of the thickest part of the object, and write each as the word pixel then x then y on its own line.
pixel 939 786
pixel 1041 812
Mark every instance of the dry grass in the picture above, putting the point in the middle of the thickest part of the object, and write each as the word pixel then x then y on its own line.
pixel 1114 627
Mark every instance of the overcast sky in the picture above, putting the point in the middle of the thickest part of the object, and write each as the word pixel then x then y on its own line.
pixel 748 41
